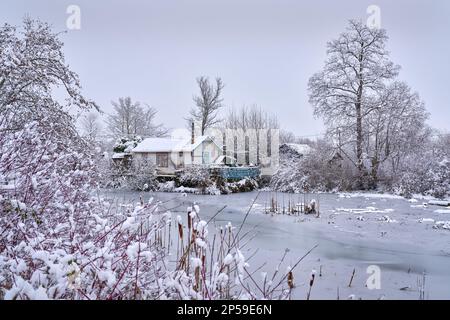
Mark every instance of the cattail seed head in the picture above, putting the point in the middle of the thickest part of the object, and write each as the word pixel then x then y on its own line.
pixel 290 280
pixel 189 220
pixel 180 230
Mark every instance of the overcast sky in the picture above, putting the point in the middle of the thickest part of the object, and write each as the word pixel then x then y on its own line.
pixel 264 50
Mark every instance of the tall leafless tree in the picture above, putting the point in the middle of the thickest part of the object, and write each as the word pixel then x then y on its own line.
pixel 130 119
pixel 287 137
pixel 90 126
pixel 254 118
pixel 344 92
pixel 207 104
pixel 396 127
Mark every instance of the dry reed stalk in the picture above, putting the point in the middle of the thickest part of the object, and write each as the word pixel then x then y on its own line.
pixel 351 279
pixel 311 283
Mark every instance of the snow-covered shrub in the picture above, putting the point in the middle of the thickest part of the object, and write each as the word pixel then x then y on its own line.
pixel 82 255
pixel 141 175
pixel 442 225
pixel 126 144
pixel 322 169
pixel 52 171
pixel 195 176
pixel 199 178
pixel 427 177
pixel 111 175
pixel 426 170
pixel 167 186
pixel 243 185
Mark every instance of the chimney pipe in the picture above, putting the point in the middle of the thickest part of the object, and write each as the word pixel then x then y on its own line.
pixel 192 133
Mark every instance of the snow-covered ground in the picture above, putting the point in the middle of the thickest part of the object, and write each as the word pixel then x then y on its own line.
pixel 404 238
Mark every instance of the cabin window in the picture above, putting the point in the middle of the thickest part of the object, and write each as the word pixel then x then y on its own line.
pixel 162 160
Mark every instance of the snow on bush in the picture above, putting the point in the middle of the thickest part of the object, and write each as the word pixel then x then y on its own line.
pixel 442 225
pixel 82 255
pixel 243 185
pixel 137 174
pixel 431 176
pixel 197 179
pixel 195 176
pixel 316 171
pixel 142 175
pixel 126 144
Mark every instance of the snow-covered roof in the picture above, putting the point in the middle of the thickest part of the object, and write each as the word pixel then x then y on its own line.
pixel 197 142
pixel 160 145
pixel 169 144
pixel 299 148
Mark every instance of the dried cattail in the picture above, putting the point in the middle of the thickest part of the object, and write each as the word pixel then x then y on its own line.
pixel 189 219
pixel 290 280
pixel 180 230
pixel 311 283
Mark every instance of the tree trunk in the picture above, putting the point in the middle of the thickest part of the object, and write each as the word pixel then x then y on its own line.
pixel 359 149
pixel 359 135
pixel 374 173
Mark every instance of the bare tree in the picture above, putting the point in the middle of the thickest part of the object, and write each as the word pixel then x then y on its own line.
pixel 238 119
pixel 130 119
pixel 90 126
pixel 259 120
pixel 345 92
pixel 289 137
pixel 396 127
pixel 254 118
pixel 207 104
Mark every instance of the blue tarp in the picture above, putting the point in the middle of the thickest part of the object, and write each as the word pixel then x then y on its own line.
pixel 237 173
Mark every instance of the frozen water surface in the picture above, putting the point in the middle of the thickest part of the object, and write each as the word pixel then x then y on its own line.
pixel 353 231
